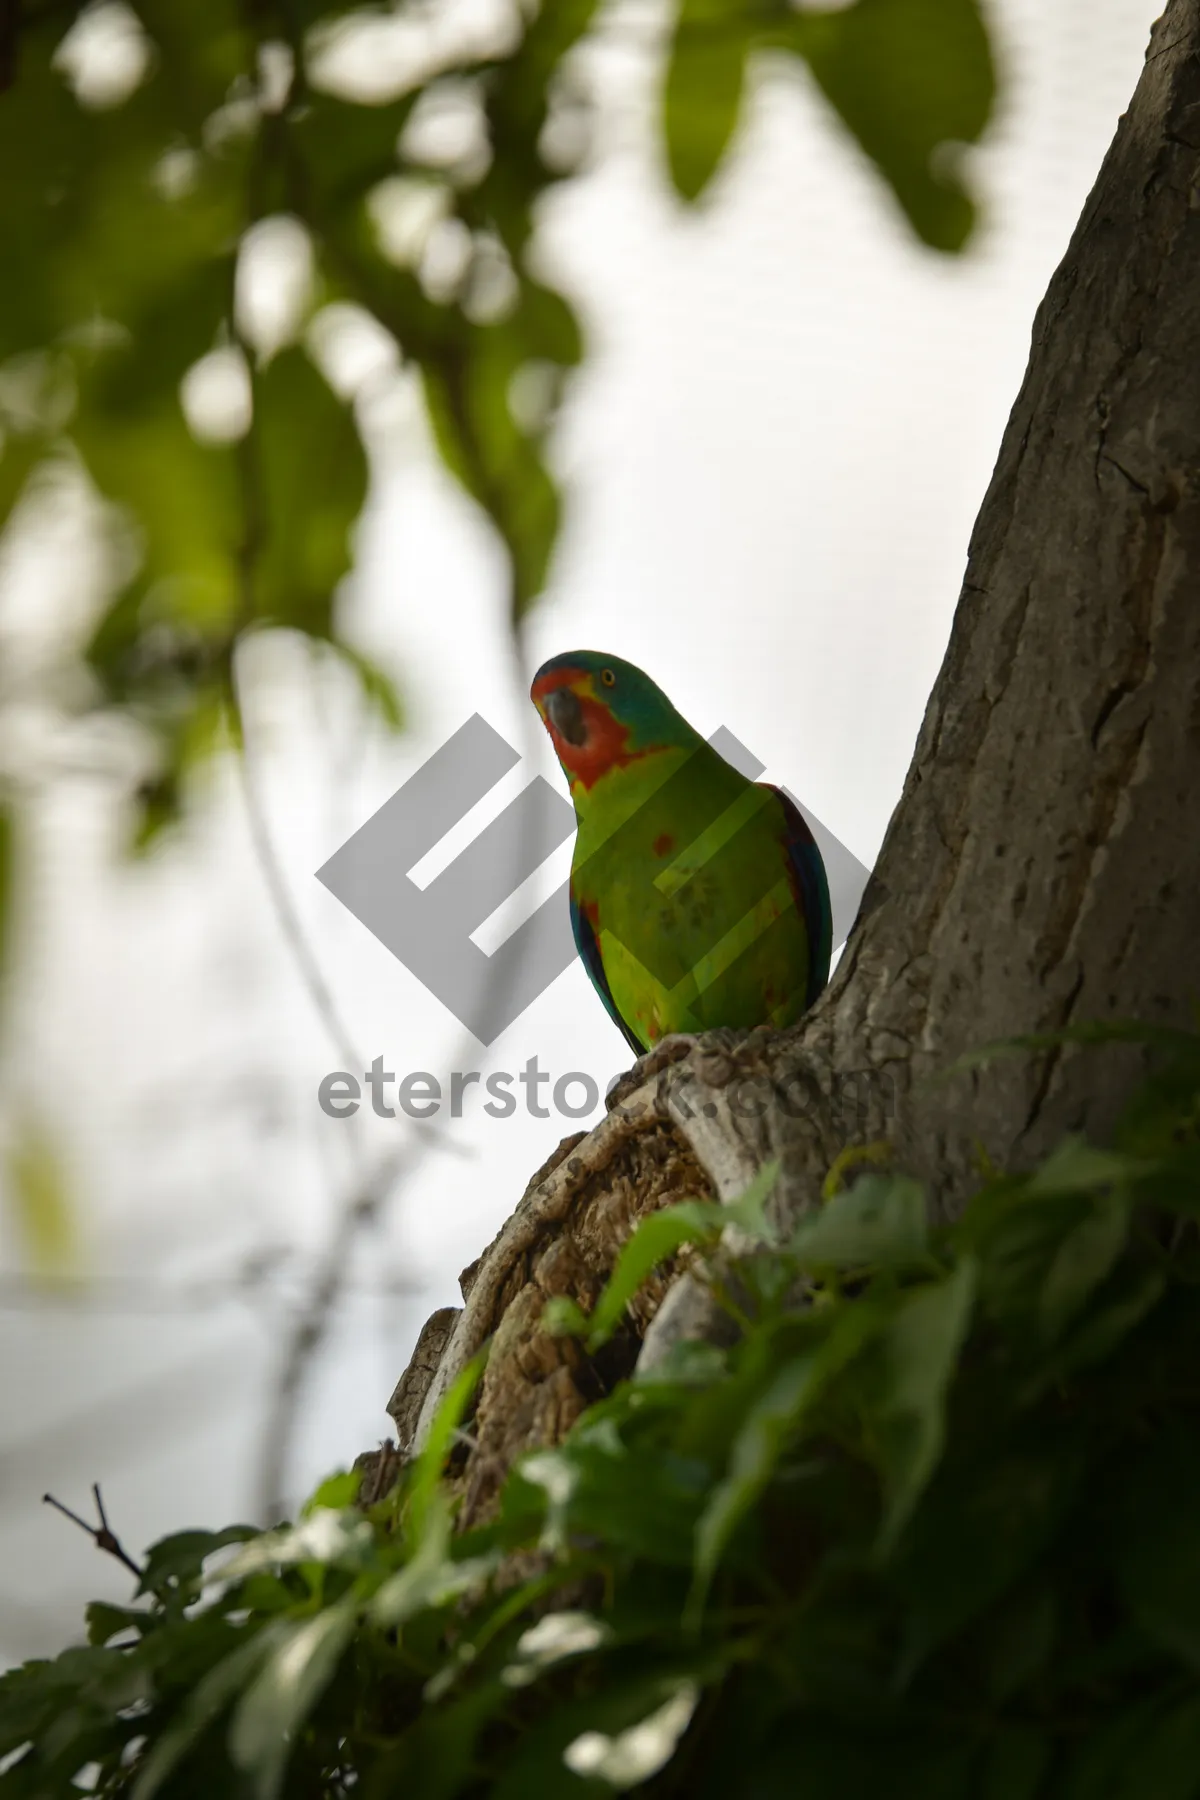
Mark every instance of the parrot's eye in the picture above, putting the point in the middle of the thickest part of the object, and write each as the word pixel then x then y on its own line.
pixel 608 678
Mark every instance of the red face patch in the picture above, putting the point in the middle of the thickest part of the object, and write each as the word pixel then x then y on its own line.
pixel 604 746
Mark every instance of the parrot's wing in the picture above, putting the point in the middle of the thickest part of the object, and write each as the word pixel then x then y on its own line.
pixel 589 952
pixel 811 890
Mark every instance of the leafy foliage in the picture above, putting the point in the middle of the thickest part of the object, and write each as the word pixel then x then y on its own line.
pixel 911 80
pixel 127 238
pixel 931 1532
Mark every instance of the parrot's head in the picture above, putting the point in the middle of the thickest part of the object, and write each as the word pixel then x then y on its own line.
pixel 603 713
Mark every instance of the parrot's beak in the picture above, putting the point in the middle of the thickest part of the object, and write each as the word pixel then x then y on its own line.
pixel 566 715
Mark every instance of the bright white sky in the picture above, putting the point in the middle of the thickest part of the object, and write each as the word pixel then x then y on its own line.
pixel 775 458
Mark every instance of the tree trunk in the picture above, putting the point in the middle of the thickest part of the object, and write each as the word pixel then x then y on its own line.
pixel 1042 868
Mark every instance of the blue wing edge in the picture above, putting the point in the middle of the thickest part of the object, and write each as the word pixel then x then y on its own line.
pixel 812 893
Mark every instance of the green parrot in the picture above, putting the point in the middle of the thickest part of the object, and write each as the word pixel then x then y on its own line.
pixel 698 897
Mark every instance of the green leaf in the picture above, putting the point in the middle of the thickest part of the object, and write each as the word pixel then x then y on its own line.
pixel 748 1213
pixel 34 1698
pixel 878 1222
pixel 37 1184
pixel 772 1421
pixel 431 1578
pixel 1077 1167
pixel 1083 1259
pixel 377 686
pixel 427 1473
pixel 1099 1334
pixel 913 81
pixel 178 1561
pixel 990 1512
pixel 201 1706
pixel 336 1492
pixel 641 1500
pixel 1157 1545
pixel 312 481
pixel 564 1317
pixel 20 454
pixel 105 1621
pixel 624 1732
pixel 268 1719
pixel 655 1238
pixel 913 1364
pixel 328 1538
pixel 706 73
pixel 467 391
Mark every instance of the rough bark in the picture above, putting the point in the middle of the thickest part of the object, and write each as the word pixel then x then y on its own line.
pixel 1042 867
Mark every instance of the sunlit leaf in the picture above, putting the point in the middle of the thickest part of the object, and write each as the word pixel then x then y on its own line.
pixel 652 1241
pixel 423 1494
pixel 274 1707
pixel 339 1539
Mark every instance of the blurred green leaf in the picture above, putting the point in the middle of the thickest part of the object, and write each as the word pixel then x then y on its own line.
pixel 432 1577
pixel 335 1539
pixel 309 485
pixel 212 1695
pixel 878 1222
pixel 41 1199
pixel 423 1494
pixel 913 1364
pixel 1077 1167
pixel 1081 1262
pixel 335 1493
pixel 654 1238
pixel 703 94
pixel 177 1562
pixel 913 81
pixel 467 390
pixel 283 1692
pixel 772 1419
pixel 377 686
pixel 20 455
pixel 105 1621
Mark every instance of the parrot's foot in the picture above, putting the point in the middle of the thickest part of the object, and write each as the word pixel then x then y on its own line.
pixel 668 1050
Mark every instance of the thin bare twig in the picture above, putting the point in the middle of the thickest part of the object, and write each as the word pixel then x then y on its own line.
pixel 311 1325
pixel 137 1295
pixel 102 1535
